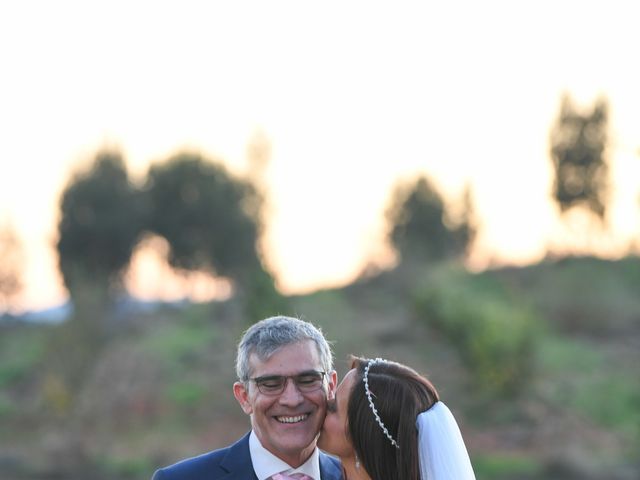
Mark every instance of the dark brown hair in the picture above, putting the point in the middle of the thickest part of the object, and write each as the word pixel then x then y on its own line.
pixel 399 394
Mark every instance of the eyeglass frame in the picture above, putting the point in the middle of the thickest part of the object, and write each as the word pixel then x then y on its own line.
pixel 286 378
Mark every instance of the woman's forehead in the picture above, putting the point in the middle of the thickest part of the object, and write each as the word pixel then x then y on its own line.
pixel 344 389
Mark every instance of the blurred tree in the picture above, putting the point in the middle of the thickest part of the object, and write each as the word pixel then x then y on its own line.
pixel 99 226
pixel 10 266
pixel 578 143
pixel 209 218
pixel 420 226
pixel 212 222
pixel 464 225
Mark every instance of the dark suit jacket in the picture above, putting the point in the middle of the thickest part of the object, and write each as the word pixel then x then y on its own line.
pixel 233 463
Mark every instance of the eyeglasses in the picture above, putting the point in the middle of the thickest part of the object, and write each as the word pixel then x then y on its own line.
pixel 305 382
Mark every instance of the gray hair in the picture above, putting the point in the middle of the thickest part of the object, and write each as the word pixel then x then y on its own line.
pixel 266 336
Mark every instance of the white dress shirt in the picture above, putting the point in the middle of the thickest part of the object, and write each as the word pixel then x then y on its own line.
pixel 266 464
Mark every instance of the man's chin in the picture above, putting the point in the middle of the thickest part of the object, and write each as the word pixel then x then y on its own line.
pixel 293 443
pixel 294 452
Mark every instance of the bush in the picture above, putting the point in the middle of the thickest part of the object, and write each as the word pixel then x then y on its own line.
pixel 260 298
pixel 582 295
pixel 580 375
pixel 494 336
pixel 505 466
pixel 7 408
pixel 186 394
pixel 19 354
pixel 124 468
pixel 178 346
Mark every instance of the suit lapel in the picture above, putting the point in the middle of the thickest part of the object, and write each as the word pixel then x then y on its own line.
pixel 330 469
pixel 237 461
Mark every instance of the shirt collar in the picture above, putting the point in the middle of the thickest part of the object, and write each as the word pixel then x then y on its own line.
pixel 266 464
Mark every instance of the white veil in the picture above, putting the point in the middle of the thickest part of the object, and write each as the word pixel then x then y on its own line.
pixel 443 455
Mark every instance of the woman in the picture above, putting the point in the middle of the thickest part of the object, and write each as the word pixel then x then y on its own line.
pixel 387 423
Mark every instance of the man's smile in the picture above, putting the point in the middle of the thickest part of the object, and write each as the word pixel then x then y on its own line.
pixel 290 419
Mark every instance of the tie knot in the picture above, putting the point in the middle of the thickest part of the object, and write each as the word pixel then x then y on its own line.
pixel 293 476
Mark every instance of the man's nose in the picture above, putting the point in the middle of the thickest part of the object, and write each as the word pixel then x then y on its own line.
pixel 291 395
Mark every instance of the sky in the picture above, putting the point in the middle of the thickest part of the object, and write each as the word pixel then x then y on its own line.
pixel 353 97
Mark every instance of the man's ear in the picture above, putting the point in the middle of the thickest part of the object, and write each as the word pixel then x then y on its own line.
pixel 333 384
pixel 242 396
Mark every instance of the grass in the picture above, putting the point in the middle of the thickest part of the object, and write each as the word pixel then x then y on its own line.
pixel 186 394
pixel 586 295
pixel 125 467
pixel 177 343
pixel 579 375
pixel 7 407
pixel 496 467
pixel 20 351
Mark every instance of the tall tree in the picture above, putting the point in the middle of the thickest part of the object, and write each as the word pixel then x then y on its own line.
pixel 210 218
pixel 212 222
pixel 578 143
pixel 465 225
pixel 99 225
pixel 420 227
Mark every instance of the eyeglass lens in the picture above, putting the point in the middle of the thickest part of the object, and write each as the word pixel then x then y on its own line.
pixel 305 382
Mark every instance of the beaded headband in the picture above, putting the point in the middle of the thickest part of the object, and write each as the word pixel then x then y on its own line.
pixel 371 405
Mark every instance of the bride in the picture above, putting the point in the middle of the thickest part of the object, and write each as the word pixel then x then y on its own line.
pixel 387 423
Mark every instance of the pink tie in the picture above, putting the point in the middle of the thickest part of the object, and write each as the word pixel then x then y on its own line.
pixel 295 476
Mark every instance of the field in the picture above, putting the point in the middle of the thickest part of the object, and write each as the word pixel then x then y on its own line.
pixel 539 364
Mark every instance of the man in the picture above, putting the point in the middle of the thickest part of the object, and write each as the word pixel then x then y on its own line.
pixel 285 377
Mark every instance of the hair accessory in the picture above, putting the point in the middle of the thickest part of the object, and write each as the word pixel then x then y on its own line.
pixel 371 405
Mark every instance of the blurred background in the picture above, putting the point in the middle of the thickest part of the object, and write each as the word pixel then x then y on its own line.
pixel 456 187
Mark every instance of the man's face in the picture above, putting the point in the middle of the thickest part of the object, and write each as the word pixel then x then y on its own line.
pixel 287 424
